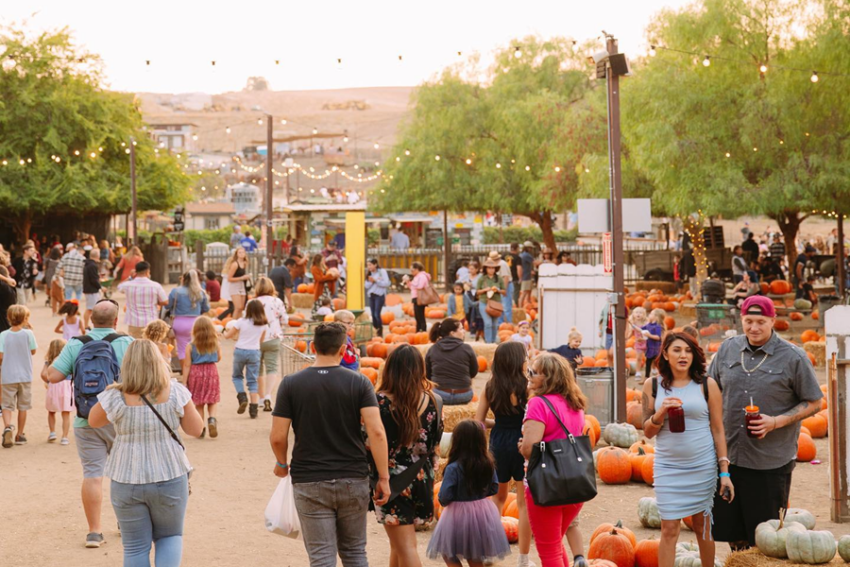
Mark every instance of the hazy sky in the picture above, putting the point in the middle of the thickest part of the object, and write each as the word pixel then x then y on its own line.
pixel 181 37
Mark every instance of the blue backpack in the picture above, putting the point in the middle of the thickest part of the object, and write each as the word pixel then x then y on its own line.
pixel 96 368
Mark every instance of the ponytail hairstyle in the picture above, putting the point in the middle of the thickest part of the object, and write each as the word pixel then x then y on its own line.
pixel 443 329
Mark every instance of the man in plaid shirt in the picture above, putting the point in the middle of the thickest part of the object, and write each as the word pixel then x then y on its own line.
pixel 71 269
pixel 144 298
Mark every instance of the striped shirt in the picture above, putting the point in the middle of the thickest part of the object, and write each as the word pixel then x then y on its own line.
pixel 73 263
pixel 143 298
pixel 144 451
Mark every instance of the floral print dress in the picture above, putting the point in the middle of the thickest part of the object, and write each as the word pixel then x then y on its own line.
pixel 415 504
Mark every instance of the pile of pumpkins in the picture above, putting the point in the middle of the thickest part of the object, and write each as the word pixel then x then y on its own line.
pixel 613 545
pixel 655 300
pixel 436 311
pixel 814 427
pixel 792 537
pixel 620 466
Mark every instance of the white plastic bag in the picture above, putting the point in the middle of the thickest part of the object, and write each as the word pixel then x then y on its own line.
pixel 281 516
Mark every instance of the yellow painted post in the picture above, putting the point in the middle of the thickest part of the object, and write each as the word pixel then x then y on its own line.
pixel 355 257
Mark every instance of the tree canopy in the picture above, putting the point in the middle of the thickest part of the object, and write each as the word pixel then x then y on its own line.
pixel 64 138
pixel 508 139
pixel 749 133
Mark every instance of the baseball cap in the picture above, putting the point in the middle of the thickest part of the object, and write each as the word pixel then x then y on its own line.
pixel 758 305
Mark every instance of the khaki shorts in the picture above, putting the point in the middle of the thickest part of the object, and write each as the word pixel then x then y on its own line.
pixel 17 396
pixel 269 357
pixel 526 285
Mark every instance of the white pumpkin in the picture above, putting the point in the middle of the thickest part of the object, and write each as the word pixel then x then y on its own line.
pixel 771 535
pixel 445 443
pixel 683 546
pixel 648 513
pixel 810 547
pixel 801 517
pixel 690 558
pixel 844 548
pixel 622 435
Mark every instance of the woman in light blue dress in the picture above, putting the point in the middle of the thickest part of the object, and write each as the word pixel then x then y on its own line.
pixel 687 462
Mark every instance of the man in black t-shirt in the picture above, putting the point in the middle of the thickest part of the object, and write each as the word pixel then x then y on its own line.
pixel 324 404
pixel 282 280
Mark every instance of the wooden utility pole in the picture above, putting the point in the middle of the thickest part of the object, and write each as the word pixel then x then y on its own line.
pixel 447 247
pixel 620 374
pixel 132 229
pixel 269 189
pixel 839 258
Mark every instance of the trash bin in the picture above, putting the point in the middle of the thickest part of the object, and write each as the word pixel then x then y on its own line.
pixel 598 385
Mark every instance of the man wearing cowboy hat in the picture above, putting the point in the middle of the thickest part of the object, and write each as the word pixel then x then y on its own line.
pixel 507 299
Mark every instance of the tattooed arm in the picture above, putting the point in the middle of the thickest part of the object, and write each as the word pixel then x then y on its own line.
pixel 650 423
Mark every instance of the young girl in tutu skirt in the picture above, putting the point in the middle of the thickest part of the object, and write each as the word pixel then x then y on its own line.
pixel 470 527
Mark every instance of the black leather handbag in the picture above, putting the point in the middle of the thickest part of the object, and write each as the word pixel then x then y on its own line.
pixel 561 472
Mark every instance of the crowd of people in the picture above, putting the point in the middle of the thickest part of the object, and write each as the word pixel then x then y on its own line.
pixel 130 394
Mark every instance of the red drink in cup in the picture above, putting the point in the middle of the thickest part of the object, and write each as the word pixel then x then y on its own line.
pixel 752 414
pixel 676 417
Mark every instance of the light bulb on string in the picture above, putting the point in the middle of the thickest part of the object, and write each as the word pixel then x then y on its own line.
pixel 377 146
pixel 283 121
pixel 763 68
pixel 814 76
pixel 498 166
pixel 652 51
pixel 345 139
pixel 147 62
pixel 260 121
pixel 407 152
pixel 437 158
pixel 468 161
pixel 227 130
pixel 213 63
pixel 707 61
pixel 517 52
pixel 728 154
pixel 9 63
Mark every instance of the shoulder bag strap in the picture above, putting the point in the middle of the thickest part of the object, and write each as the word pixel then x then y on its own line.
pixel 438 403
pixel 165 423
pixel 654 388
pixel 561 423
pixel 705 387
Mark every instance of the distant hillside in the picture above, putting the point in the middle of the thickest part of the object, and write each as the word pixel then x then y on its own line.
pixel 370 115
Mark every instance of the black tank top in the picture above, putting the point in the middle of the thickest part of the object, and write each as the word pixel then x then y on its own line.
pixel 239 272
pixel 509 420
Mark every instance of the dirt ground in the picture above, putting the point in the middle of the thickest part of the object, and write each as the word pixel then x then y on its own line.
pixel 43 520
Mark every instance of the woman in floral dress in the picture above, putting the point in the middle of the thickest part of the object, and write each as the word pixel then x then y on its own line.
pixel 411 417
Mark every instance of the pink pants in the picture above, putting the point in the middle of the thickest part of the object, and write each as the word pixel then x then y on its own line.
pixel 182 327
pixel 549 525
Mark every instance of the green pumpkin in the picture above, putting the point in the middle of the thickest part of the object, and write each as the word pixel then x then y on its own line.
pixel 648 513
pixel 810 547
pixel 801 517
pixel 844 548
pixel 803 304
pixel 622 435
pixel 771 536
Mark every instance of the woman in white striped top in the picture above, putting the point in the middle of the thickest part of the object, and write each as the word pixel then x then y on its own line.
pixel 148 468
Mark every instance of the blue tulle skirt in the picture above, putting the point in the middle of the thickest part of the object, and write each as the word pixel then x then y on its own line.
pixel 470 531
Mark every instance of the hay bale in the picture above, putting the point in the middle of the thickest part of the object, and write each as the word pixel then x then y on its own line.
pixel 688 309
pixel 302 300
pixel 485 350
pixel 452 415
pixel 818 350
pixel 441 467
pixel 519 314
pixel 754 558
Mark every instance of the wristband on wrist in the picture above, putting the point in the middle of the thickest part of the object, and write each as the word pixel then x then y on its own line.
pixel 282 465
pixel 652 420
pixel 724 475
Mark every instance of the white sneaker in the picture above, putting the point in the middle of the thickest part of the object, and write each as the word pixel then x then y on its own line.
pixel 65 441
pixel 52 437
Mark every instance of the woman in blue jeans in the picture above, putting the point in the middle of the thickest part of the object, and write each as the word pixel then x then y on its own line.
pixel 148 467
pixel 377 283
pixel 451 363
pixel 490 287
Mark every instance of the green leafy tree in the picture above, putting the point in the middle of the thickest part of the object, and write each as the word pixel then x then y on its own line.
pixel 509 139
pixel 730 138
pixel 64 138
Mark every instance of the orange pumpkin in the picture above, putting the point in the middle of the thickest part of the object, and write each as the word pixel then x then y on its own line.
pixel 371 362
pixel 647 469
pixel 613 546
pixel 379 350
pixel 591 434
pixel 511 509
pixel 301 346
pixel 393 299
pixel 796 316
pixel 482 364
pixel 780 287
pixel 806 450
pixel 815 315
pixel 438 510
pixel 646 553
pixel 804 429
pixel 637 460
pixel 387 317
pixel 311 288
pixel 597 428
pixel 764 288
pixel 642 444
pixel 814 362
pixel 781 325
pixel 614 466
pixel 601 355
pixel 302 288
pixel 634 414
pixel 511 526
pixel 669 323
pixel 633 395
pixel 606 528
pixel 601 563
pixel 809 336
pixel 370 373
pixel 817 424
pixel 601 363
pixel 506 327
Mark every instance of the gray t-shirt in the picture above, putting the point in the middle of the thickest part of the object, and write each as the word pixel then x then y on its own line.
pixel 17 347
pixel 777 376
